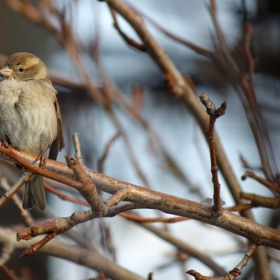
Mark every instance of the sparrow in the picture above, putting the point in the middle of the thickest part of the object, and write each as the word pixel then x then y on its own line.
pixel 30 118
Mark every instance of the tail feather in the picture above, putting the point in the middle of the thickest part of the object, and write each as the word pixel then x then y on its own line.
pixel 34 193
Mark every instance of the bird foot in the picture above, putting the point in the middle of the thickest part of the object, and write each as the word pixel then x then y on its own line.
pixel 42 160
pixel 5 144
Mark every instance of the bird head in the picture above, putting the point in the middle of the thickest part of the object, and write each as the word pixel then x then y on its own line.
pixel 24 66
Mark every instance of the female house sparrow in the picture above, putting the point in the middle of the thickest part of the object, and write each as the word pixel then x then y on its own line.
pixel 30 117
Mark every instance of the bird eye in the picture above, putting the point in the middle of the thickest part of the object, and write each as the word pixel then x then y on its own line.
pixel 21 69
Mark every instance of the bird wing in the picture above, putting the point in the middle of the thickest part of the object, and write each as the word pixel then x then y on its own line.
pixel 58 143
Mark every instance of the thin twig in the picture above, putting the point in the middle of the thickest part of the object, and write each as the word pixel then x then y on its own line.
pixel 272 186
pixel 140 219
pixel 238 269
pixel 6 252
pixel 139 46
pixel 77 146
pixel 28 219
pixel 247 42
pixel 25 177
pixel 187 43
pixel 184 247
pixel 233 273
pixel 10 273
pixel 214 114
pixel 213 12
pixel 101 161
pixel 65 197
pixel 75 254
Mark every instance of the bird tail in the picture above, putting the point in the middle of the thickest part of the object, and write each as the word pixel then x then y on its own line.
pixel 34 193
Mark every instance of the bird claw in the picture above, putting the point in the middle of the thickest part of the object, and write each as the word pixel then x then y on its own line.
pixel 5 144
pixel 42 160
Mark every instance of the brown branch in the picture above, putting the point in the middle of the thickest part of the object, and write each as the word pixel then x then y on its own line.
pixel 240 207
pixel 65 197
pixel 9 273
pixel 75 254
pixel 131 42
pixel 87 189
pixel 116 198
pixel 54 227
pixel 257 200
pixel 156 52
pixel 214 114
pixel 233 273
pixel 182 41
pixel 101 161
pixel 130 149
pixel 244 261
pixel 138 219
pixel 256 233
pixel 17 156
pixel 9 193
pixel 77 145
pixel 51 227
pixel 115 210
pixel 246 164
pixel 272 186
pixel 247 42
pixel 185 248
pixel 182 89
pixel 6 252
pixel 166 158
pixel 28 219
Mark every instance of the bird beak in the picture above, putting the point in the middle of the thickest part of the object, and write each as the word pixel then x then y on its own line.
pixel 6 72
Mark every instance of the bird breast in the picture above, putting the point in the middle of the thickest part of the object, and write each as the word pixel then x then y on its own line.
pixel 27 114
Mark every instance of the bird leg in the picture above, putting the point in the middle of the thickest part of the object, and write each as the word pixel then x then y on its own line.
pixel 5 144
pixel 41 157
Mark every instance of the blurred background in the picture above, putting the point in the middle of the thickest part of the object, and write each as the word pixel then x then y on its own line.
pixel 135 157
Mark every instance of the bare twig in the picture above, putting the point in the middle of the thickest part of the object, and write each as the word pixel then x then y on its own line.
pixel 75 254
pixel 272 186
pixel 17 201
pixel 106 152
pixel 258 234
pixel 214 114
pixel 65 197
pixel 127 39
pixel 247 165
pixel 213 11
pixel 233 273
pixel 78 150
pixel 88 189
pixel 184 247
pixel 10 273
pixel 16 155
pixel 185 42
pixel 25 177
pixel 139 219
pixel 257 200
pixel 182 89
pixel 247 42
pixel 6 253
